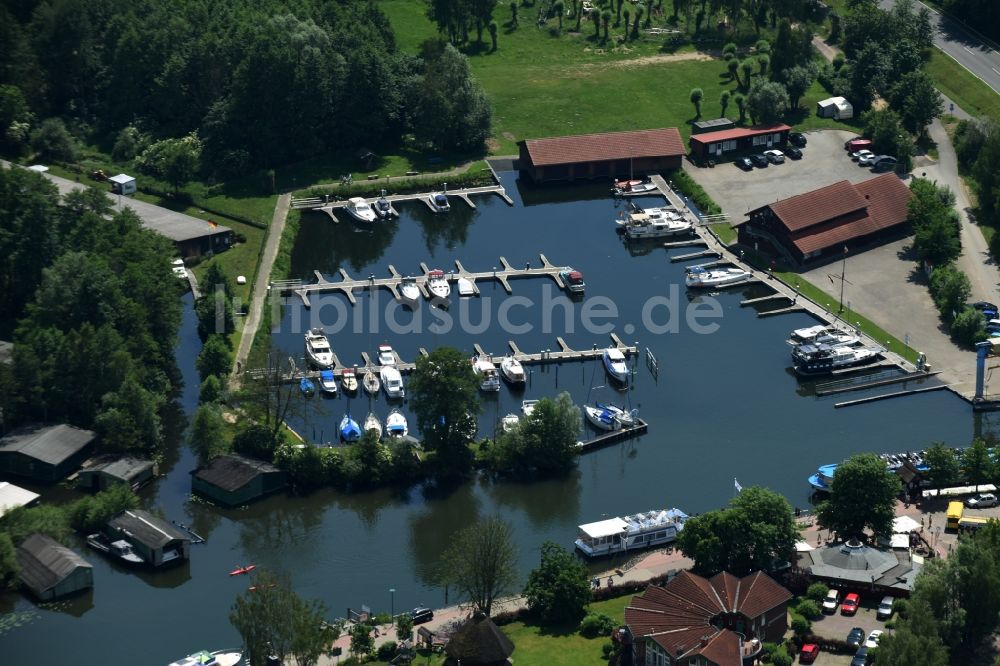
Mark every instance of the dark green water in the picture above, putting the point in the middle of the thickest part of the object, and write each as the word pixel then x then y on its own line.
pixel 724 406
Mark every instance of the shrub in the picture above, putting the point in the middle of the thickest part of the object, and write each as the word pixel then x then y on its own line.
pixel 968 328
pixel 781 658
pixel 607 649
pixel 838 62
pixel 817 592
pixel 596 624
pixel 800 625
pixel 808 609
pixel 729 48
pixel 386 651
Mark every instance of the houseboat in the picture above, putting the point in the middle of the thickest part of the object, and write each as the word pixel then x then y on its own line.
pixel 318 348
pixel 512 370
pixel 573 281
pixel 824 359
pixel 205 658
pixel 392 382
pixel 486 370
pixel 618 535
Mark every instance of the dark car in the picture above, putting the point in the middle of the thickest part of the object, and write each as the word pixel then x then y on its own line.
pixel 797 139
pixel 884 163
pixel 794 153
pixel 856 637
pixel 860 657
pixel 744 164
pixel 982 306
pixel 421 614
pixel 759 161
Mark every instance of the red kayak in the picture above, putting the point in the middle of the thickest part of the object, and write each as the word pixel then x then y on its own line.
pixel 239 571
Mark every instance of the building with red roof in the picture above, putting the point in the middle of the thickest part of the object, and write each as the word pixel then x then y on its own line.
pixel 713 145
pixel 717 621
pixel 818 225
pixel 603 155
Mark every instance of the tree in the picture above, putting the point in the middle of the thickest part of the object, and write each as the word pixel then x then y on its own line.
pixel 733 67
pixel 917 100
pixel 741 103
pixel 269 398
pixel 174 160
pixel 451 109
pixel 129 418
pixel 208 437
pixel 763 60
pixel 606 20
pixel 445 399
pixel 513 13
pixel 210 390
pixel 404 627
pixel 903 647
pixel 362 642
pixel 932 214
pixel 976 463
pixel 482 562
pixel 862 496
pixel 968 327
pixel 559 8
pixel 9 567
pixel 724 98
pixel 129 143
pixel 950 290
pixel 52 141
pixel 493 35
pixel 696 96
pixel 273 620
pixel 942 466
pixel 747 68
pixel 635 24
pixel 559 589
pixel 767 101
pixel 870 74
pixel 797 81
pixel 215 359
pixel 543 443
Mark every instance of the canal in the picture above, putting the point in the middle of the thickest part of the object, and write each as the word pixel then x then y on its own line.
pixel 724 406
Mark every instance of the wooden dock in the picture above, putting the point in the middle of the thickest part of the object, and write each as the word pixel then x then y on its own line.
pixel 887 396
pixel 608 438
pixel 330 207
pixel 348 284
pixel 780 311
pixel 764 299
pixel 861 386
pixel 693 242
pixel 696 255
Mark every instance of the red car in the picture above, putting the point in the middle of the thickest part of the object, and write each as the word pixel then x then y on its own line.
pixel 850 604
pixel 808 653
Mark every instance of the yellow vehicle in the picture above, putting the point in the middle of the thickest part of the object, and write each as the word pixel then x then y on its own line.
pixel 956 521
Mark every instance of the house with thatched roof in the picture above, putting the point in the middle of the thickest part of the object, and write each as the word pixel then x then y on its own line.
pixel 479 642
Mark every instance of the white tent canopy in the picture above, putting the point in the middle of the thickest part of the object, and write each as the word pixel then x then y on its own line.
pixel 904 525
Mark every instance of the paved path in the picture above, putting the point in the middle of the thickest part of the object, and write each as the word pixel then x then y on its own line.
pixel 260 285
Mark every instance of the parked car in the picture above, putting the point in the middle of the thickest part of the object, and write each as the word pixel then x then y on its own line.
pixel 831 602
pixel 867 160
pixel 852 145
pixel 850 605
pixel 861 153
pixel 981 501
pixel 774 156
pixel 807 654
pixel 873 638
pixel 421 614
pixel 982 306
pixel 794 153
pixel 759 161
pixel 744 163
pixel 860 657
pixel 885 608
pixel 884 163
pixel 797 139
pixel 856 637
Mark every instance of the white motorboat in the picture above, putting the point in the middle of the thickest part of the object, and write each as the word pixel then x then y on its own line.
pixel 509 422
pixel 386 356
pixel 486 370
pixel 810 333
pixel 824 359
pixel 632 188
pixel 466 287
pixel 349 380
pixel 395 424
pixel 643 530
pixel 360 210
pixel 615 364
pixel 318 348
pixel 382 207
pixel 205 658
pixel 121 550
pixel 371 382
pixel 528 406
pixel 349 430
pixel 655 223
pixel 438 202
pixel 701 277
pixel 373 423
pixel 602 418
pixel 408 289
pixel 625 418
pixel 438 285
pixel 512 370
pixel 573 281
pixel 392 381
pixel 327 382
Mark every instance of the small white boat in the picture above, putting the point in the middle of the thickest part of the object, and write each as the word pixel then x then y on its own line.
pixel 466 287
pixel 349 380
pixel 360 210
pixel 486 370
pixel 655 223
pixel 327 382
pixel 632 188
pixel 392 381
pixel 395 424
pixel 573 280
pixel 349 430
pixel 382 207
pixel 615 364
pixel 528 406
pixel 121 549
pixel 626 418
pixel 810 333
pixel 437 283
pixel 386 356
pixel 439 202
pixel 372 422
pixel 408 289
pixel 701 277
pixel 371 382
pixel 205 658
pixel 602 418
pixel 512 370
pixel 318 348
pixel 509 422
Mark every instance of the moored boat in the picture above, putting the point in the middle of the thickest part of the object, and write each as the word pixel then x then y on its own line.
pixel 386 356
pixel 438 285
pixel 327 382
pixel 372 423
pixel 360 210
pixel 632 188
pixel 512 370
pixel 615 364
pixel 486 370
pixel 824 359
pixel 654 223
pixel 382 207
pixel 509 422
pixel 822 478
pixel 439 202
pixel 642 530
pixel 318 348
pixel 573 281
pixel 392 381
pixel 528 406
pixel 371 382
pixel 625 418
pixel 701 277
pixel 306 387
pixel 602 418
pixel 349 380
pixel 466 287
pixel 349 430
pixel 395 424
pixel 121 550
pixel 206 658
pixel 408 289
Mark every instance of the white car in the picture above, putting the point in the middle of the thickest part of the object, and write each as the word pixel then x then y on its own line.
pixel 981 501
pixel 868 160
pixel 774 156
pixel 831 602
pixel 861 153
pixel 873 638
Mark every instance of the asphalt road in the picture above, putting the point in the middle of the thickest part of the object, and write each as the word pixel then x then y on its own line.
pixel 965 47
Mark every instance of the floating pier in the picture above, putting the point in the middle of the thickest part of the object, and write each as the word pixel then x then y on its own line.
pixel 781 311
pixel 886 396
pixel 765 299
pixel 846 385
pixel 608 438
pixel 696 255
pixel 328 206
pixel 693 242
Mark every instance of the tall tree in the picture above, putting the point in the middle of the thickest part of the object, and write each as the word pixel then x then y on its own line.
pixel 767 101
pixel 482 562
pixel 862 496
pixel 797 81
pixel 942 466
pixel 208 433
pixel 917 100
pixel 976 463
pixel 697 94
pixel 559 589
pixel 544 443
pixel 724 98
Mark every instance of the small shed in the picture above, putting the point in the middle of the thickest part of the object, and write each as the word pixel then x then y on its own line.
pixel 12 497
pixel 108 470
pixel 154 539
pixel 837 108
pixel 45 452
pixel 50 569
pixel 479 642
pixel 716 125
pixel 38 168
pixel 233 480
pixel 122 184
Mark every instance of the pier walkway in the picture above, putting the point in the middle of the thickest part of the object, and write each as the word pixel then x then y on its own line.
pixel 326 205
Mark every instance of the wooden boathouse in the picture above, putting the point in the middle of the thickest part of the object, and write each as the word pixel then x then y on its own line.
pixel 603 155
pixel 154 539
pixel 51 570
pixel 46 453
pixel 233 480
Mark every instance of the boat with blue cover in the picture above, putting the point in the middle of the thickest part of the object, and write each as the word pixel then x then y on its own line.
pixel 349 430
pixel 307 387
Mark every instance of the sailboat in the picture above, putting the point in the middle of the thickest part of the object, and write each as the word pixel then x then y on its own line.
pixel 371 382
pixel 372 422
pixel 349 430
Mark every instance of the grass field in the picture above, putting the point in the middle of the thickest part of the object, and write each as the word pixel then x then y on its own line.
pixel 974 96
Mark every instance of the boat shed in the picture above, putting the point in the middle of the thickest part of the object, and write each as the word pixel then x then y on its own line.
pixel 154 539
pixel 50 569
pixel 45 453
pixel 837 108
pixel 234 480
pixel 478 642
pixel 817 226
pixel 716 125
pixel 713 145
pixel 603 155
pixel 108 470
pixel 13 497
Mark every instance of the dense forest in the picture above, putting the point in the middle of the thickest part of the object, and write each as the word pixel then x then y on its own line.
pixel 93 308
pixel 260 84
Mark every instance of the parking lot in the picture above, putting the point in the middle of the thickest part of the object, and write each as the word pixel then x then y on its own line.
pixel 837 626
pixel 823 162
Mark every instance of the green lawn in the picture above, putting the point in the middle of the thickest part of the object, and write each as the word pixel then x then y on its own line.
pixel 968 92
